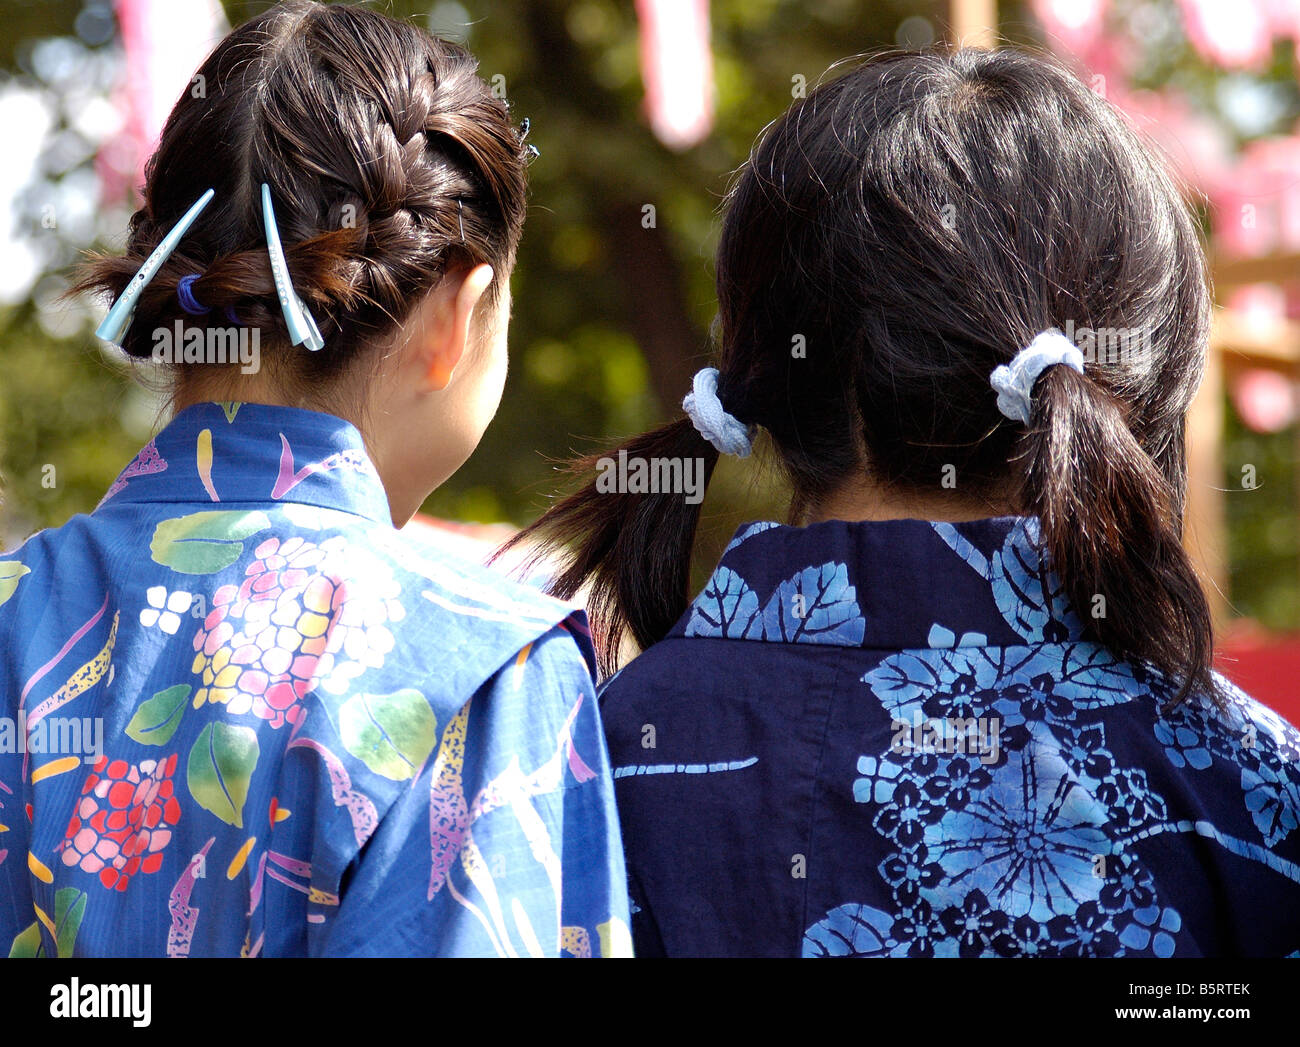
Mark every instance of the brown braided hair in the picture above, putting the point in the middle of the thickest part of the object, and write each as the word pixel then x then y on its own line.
pixel 390 162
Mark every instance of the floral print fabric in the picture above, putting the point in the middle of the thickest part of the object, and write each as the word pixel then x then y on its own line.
pixel 246 716
pixel 894 739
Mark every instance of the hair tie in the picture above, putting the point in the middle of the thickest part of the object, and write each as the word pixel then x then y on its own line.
pixel 1014 382
pixel 185 292
pixel 724 431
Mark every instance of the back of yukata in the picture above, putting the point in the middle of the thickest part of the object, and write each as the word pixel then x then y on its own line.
pixel 892 739
pixel 246 716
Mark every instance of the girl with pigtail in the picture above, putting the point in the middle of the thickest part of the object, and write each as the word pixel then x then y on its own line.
pixel 962 702
pixel 318 738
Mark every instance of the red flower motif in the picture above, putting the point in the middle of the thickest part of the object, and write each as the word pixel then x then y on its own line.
pixel 123 820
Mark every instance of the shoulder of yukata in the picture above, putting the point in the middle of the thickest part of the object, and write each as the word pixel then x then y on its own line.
pixel 17 564
pixel 471 589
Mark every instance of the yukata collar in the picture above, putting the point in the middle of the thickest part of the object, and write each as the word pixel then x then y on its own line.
pixel 892 584
pixel 227 454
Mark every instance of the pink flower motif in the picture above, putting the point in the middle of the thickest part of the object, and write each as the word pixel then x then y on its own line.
pixel 304 615
pixel 123 820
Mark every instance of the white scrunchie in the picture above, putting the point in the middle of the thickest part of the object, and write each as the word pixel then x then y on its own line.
pixel 726 432
pixel 1014 382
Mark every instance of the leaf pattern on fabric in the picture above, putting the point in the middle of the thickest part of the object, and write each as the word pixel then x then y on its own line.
pixel 156 720
pixel 205 542
pixel 27 943
pixel 310 638
pixel 203 459
pixel 728 607
pixel 1032 601
pixel 748 532
pixel 818 605
pixel 69 911
pixel 392 734
pixel 11 573
pixel 220 768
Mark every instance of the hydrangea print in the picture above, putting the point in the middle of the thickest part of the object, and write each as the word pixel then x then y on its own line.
pixel 123 820
pixel 304 615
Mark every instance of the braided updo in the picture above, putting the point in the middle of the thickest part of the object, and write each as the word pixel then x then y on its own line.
pixel 390 162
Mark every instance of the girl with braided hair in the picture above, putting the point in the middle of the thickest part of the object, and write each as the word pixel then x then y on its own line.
pixel 304 734
pixel 962 702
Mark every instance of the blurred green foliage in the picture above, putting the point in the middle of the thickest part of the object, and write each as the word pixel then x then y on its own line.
pixel 610 318
pixel 1263 538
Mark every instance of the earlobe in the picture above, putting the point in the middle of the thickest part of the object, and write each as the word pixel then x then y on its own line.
pixel 454 339
pixel 439 375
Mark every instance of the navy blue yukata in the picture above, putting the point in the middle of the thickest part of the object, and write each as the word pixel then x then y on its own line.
pixel 892 739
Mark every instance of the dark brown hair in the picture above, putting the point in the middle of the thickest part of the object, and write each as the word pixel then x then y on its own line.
pixel 918 221
pixel 390 163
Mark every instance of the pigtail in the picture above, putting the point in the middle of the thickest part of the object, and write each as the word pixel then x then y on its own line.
pixel 1112 528
pixel 630 550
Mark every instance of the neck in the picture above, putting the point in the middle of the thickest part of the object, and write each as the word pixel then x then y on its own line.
pixel 405 493
pixel 864 499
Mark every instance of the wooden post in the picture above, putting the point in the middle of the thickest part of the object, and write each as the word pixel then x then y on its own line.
pixel 1206 534
pixel 974 23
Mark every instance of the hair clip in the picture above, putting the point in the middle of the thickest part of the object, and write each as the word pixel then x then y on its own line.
pixel 460 217
pixel 114 326
pixel 525 125
pixel 297 317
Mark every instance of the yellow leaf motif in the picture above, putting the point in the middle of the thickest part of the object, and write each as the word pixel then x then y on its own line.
pixel 45 919
pixel 204 455
pixel 55 767
pixel 41 872
pixel 81 681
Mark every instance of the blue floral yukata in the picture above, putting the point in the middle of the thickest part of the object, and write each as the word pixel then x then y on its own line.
pixel 892 739
pixel 296 731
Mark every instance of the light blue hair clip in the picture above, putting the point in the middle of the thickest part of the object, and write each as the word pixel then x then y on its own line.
pixel 726 432
pixel 1014 382
pixel 297 317
pixel 114 326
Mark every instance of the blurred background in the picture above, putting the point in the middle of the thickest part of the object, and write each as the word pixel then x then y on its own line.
pixel 641 110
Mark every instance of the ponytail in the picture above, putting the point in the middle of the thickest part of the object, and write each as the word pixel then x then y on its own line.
pixel 1112 528
pixel 631 551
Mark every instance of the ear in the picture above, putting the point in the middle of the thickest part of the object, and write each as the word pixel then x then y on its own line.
pixel 452 335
